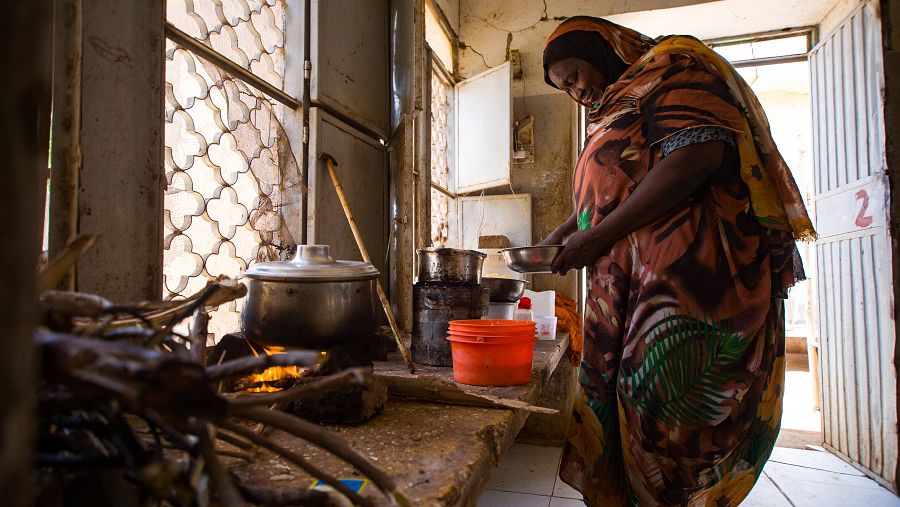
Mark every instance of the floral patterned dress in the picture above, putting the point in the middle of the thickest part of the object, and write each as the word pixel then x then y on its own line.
pixel 683 364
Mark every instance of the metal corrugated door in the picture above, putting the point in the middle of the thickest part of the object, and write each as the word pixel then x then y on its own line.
pixel 363 172
pixel 350 61
pixel 350 119
pixel 855 307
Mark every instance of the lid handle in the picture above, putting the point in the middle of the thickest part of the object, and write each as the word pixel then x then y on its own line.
pixel 313 254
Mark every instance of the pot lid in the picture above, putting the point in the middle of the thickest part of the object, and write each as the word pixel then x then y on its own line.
pixel 313 263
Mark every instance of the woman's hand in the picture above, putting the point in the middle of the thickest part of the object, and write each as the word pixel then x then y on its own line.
pixel 581 249
pixel 669 184
pixel 559 234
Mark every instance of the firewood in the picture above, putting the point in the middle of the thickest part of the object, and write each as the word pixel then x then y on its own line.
pixel 243 455
pixel 226 491
pixel 235 441
pixel 249 365
pixel 272 497
pixel 133 397
pixel 54 272
pixel 306 389
pixel 199 335
pixel 296 459
pixel 158 314
pixel 58 308
pixel 442 391
pixel 323 438
pixel 251 387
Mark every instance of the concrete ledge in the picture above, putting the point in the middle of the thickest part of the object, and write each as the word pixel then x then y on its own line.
pixel 438 454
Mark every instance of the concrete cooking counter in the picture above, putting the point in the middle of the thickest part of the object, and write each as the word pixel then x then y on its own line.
pixel 439 454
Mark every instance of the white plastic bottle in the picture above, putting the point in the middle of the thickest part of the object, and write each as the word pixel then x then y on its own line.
pixel 523 312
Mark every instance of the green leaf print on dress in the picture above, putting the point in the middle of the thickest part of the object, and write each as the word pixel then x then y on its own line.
pixel 584 218
pixel 686 372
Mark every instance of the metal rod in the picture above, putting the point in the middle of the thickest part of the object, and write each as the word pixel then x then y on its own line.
pixel 444 73
pixel 762 36
pixel 775 60
pixel 443 190
pixel 307 75
pixel 207 53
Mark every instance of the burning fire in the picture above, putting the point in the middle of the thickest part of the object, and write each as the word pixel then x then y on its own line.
pixel 274 373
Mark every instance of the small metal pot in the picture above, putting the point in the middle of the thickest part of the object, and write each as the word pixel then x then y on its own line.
pixel 450 266
pixel 312 301
pixel 504 290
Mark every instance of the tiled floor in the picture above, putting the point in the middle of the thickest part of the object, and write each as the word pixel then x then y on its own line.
pixel 792 478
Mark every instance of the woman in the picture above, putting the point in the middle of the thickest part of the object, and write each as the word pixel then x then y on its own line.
pixel 685 218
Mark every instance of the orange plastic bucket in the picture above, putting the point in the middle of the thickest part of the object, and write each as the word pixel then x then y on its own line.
pixel 498 361
pixel 500 326
pixel 494 338
pixel 492 330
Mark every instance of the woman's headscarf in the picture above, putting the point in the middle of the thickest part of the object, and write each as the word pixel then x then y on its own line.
pixel 609 47
pixel 587 46
pixel 776 200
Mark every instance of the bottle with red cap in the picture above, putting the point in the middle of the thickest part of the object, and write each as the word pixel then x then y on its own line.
pixel 523 312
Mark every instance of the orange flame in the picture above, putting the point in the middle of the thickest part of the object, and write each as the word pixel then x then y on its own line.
pixel 274 373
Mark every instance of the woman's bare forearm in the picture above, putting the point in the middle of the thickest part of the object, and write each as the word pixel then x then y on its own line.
pixel 562 230
pixel 571 223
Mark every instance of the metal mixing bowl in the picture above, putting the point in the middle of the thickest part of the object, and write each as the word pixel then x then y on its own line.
pixel 531 259
pixel 504 290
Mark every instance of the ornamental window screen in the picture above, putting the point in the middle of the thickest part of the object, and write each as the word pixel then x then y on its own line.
pixel 442 204
pixel 233 186
pixel 441 91
pixel 250 33
pixel 441 207
pixel 443 200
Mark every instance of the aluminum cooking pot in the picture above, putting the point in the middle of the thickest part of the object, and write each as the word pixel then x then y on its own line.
pixel 311 301
pixel 450 265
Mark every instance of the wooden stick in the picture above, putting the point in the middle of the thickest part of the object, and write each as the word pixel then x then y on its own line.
pixel 303 390
pixel 158 314
pixel 441 391
pixel 254 364
pixel 73 304
pixel 296 459
pixel 57 270
pixel 225 490
pixel 199 335
pixel 246 456
pixel 235 441
pixel 328 441
pixel 392 320
pixel 168 432
pixel 272 497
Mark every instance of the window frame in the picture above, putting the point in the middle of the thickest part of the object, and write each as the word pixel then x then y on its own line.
pixel 448 31
pixel 436 66
pixel 810 32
